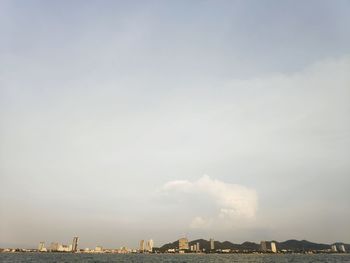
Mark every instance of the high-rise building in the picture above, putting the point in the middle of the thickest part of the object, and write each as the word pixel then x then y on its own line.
pixel 263 246
pixel 267 246
pixel 41 246
pixel 75 244
pixel 142 245
pixel 341 248
pixel 273 247
pixel 183 244
pixel 149 245
pixel 212 245
pixel 198 249
pixel 334 248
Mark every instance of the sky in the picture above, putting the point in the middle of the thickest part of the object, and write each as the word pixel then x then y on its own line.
pixel 130 120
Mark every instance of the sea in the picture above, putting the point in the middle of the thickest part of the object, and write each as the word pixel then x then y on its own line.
pixel 183 258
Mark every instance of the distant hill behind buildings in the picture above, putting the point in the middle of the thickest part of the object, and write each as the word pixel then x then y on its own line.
pixel 289 245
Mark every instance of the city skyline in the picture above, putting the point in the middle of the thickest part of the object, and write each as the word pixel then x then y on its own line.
pixel 165 119
pixel 184 245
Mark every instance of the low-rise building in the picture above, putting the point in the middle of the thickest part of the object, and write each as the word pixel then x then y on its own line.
pixel 98 249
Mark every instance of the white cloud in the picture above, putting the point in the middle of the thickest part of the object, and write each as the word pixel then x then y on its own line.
pixel 232 201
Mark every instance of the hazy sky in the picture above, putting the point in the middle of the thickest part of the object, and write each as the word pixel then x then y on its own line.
pixel 129 120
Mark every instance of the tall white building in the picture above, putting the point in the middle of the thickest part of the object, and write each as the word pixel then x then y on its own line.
pixel 142 245
pixel 341 248
pixel 149 245
pixel 334 248
pixel 273 247
pixel 41 246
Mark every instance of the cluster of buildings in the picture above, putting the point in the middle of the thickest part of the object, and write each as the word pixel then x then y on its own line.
pixel 73 248
pixel 100 249
pixel 146 246
pixel 183 245
pixel 338 248
pixel 57 247
pixel 267 246
pixel 270 247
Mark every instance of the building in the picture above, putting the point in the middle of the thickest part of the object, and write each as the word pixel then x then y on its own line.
pixel 334 248
pixel 63 248
pixel 197 247
pixel 212 244
pixel 75 244
pixel 341 248
pixel 54 246
pixel 149 245
pixel 123 250
pixel 99 249
pixel 142 245
pixel 267 246
pixel 273 247
pixel 183 244
pixel 41 246
pixel 263 246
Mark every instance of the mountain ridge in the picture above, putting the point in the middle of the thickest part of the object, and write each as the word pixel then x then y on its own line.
pixel 247 246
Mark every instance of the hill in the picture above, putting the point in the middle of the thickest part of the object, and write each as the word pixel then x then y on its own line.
pixel 290 245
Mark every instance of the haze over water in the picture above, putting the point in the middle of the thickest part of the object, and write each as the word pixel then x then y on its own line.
pixel 122 121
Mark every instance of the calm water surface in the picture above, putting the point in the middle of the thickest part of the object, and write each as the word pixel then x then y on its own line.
pixel 96 258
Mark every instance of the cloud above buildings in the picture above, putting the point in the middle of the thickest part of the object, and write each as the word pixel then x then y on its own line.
pixel 232 201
